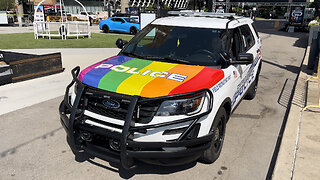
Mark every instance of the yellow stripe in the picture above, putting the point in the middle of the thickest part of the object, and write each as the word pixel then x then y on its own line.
pixel 135 83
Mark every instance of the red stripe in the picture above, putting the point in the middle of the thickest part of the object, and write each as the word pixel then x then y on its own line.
pixel 206 78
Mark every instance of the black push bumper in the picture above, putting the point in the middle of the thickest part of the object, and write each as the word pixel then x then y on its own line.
pixel 187 148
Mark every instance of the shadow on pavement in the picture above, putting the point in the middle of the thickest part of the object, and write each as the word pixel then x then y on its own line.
pixel 293 69
pixel 141 168
pixel 13 150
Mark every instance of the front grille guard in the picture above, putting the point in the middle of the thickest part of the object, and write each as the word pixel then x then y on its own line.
pixel 129 120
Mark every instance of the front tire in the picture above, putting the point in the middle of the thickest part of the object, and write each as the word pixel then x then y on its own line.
pixel 218 128
pixel 133 31
pixel 105 28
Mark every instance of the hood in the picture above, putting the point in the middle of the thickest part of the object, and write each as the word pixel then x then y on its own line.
pixel 133 76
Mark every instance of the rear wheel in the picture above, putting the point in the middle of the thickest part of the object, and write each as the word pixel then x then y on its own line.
pixel 218 128
pixel 105 29
pixel 133 30
pixel 252 91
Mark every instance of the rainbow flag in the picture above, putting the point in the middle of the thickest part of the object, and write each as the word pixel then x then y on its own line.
pixel 133 76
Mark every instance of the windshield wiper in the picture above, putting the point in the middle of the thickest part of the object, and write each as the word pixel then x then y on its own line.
pixel 133 55
pixel 167 59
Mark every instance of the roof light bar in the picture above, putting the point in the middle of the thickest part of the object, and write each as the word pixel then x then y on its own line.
pixel 201 14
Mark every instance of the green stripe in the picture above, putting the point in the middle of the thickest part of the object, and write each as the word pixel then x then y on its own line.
pixel 113 79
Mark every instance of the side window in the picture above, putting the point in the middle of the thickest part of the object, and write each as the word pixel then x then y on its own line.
pixel 247 37
pixel 119 20
pixel 115 19
pixel 238 44
pixel 255 30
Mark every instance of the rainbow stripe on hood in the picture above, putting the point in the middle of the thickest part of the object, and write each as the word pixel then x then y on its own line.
pixel 133 76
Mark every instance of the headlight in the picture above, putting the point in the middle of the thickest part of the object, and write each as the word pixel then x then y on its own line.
pixel 181 106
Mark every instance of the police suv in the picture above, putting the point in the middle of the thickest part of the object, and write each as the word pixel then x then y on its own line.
pixel 166 97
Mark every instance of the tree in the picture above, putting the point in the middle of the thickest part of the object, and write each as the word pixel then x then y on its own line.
pixel 6 5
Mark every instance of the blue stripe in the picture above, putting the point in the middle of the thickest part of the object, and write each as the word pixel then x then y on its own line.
pixel 93 77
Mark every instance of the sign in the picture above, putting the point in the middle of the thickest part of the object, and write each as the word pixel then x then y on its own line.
pixel 146 18
pixel 3 17
pixel 220 9
pixel 296 15
pixel 39 14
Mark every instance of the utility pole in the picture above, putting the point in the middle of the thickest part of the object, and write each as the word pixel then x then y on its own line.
pixel 124 5
pixel 316 13
pixel 227 5
pixel 213 6
pixel 19 11
pixel 289 9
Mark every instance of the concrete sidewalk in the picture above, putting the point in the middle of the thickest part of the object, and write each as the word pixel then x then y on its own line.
pixel 48 87
pixel 299 154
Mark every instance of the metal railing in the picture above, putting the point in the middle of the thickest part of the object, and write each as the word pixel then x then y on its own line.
pixel 63 30
pixel 315 77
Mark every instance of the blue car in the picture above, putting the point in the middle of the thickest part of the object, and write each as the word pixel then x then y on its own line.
pixel 121 24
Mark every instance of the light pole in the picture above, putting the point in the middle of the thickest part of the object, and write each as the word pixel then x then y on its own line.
pixel 19 11
pixel 227 5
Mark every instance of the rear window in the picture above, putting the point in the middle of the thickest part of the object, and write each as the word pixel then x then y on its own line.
pixel 247 36
pixel 255 30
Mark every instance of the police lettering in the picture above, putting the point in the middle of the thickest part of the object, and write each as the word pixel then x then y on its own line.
pixel 129 70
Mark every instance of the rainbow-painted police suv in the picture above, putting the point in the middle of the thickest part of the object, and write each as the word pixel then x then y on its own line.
pixel 166 97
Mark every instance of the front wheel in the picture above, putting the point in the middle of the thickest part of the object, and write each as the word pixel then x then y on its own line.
pixel 133 30
pixel 105 29
pixel 218 128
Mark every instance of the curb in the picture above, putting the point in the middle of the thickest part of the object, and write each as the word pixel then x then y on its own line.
pixel 285 161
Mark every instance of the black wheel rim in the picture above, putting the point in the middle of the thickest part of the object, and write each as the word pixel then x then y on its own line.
pixel 133 31
pixel 218 135
pixel 256 86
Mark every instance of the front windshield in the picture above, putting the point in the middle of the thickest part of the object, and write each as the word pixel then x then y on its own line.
pixel 189 45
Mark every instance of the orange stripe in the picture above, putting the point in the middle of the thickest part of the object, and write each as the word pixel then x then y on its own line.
pixel 163 86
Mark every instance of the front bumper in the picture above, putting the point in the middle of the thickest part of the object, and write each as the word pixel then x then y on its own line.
pixel 179 151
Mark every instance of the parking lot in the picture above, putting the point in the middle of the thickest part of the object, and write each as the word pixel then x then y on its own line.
pixel 33 143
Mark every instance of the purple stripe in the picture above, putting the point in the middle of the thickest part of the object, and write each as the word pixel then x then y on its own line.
pixel 83 72
pixel 93 76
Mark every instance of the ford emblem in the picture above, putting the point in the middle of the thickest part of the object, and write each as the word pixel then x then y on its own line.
pixel 112 104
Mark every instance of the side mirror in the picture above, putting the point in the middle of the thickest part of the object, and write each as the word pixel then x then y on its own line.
pixel 121 43
pixel 243 58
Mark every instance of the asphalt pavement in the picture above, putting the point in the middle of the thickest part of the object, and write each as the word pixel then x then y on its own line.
pixel 33 144
pixel 299 153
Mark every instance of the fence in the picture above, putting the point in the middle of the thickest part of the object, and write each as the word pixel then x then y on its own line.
pixel 317 77
pixel 62 30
